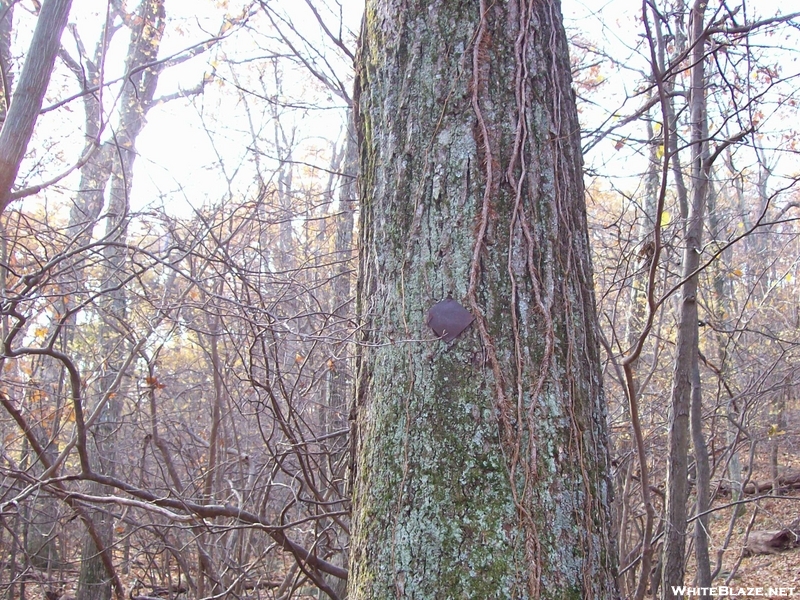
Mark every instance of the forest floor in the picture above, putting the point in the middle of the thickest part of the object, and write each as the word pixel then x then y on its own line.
pixel 777 574
pixel 764 575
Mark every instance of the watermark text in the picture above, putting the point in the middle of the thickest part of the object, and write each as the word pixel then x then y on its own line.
pixel 731 591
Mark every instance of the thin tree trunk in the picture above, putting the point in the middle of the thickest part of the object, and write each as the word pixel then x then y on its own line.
pixel 6 27
pixel 687 342
pixel 702 482
pixel 205 570
pixel 777 428
pixel 724 306
pixel 136 99
pixel 26 101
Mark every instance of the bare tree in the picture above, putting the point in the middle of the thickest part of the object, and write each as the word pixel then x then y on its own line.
pixel 26 101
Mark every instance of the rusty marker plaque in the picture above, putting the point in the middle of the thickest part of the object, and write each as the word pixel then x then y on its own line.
pixel 448 319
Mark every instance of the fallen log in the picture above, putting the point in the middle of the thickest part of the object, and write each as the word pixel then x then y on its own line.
pixel 787 481
pixel 771 542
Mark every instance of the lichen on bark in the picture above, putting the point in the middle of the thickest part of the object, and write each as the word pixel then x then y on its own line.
pixel 481 464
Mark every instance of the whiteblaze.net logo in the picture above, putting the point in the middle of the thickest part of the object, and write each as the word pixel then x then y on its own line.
pixel 731 592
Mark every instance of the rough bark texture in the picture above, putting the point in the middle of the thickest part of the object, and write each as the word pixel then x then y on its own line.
pixel 482 463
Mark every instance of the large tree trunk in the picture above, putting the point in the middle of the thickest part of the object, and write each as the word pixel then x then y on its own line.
pixel 482 462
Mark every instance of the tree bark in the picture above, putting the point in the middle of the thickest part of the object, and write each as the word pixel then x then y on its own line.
pixel 683 386
pixel 482 464
pixel 6 27
pixel 136 99
pixel 26 101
